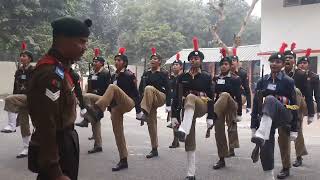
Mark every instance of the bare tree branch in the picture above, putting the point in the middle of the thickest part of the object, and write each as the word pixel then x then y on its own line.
pixel 237 38
pixel 221 17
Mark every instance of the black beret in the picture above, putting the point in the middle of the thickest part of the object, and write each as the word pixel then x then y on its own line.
pixel 156 55
pixel 177 62
pixel 227 59
pixel 100 59
pixel 71 27
pixel 289 52
pixel 28 53
pixel 196 53
pixel 277 55
pixel 234 57
pixel 304 58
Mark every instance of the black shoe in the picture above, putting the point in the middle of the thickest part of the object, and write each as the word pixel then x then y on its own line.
pixel 94 113
pixel 284 173
pixel 144 117
pixel 83 123
pixel 255 154
pixel 169 126
pixel 298 162
pixel 123 164
pixel 95 150
pixel 175 144
pixel 220 164
pixel 153 153
pixel 90 138
pixel 21 156
pixel 180 135
pixel 190 178
pixel 258 141
pixel 7 131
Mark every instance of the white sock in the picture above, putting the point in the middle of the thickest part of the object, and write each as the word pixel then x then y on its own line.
pixel 187 120
pixel 12 120
pixel 25 141
pixel 191 163
pixel 268 175
pixel 264 128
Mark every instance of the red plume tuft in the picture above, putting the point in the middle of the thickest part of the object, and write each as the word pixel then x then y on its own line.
pixel 96 52
pixel 178 56
pixel 195 43
pixel 154 51
pixel 223 52
pixel 293 46
pixel 23 45
pixel 122 50
pixel 234 50
pixel 283 47
pixel 308 52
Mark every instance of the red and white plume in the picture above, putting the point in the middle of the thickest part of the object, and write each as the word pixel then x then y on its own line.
pixel 178 56
pixel 122 50
pixel 223 52
pixel 96 52
pixel 195 43
pixel 293 46
pixel 23 46
pixel 154 51
pixel 308 52
pixel 283 47
pixel 234 51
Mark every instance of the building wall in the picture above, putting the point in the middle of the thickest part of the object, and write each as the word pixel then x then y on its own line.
pixel 287 24
pixel 7 70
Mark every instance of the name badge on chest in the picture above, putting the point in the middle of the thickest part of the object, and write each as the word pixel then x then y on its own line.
pixel 94 77
pixel 23 77
pixel 221 81
pixel 115 82
pixel 272 87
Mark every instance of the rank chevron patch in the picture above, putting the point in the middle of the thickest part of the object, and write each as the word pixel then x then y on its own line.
pixel 53 96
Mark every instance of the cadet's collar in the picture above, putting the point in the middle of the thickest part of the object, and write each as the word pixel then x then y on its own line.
pixel 279 75
pixel 56 54
pixel 157 70
pixel 228 75
pixel 122 70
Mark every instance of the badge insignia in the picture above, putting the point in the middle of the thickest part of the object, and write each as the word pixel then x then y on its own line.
pixel 59 72
pixel 52 95
pixel 23 77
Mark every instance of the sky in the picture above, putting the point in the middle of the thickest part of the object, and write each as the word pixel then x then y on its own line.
pixel 257 8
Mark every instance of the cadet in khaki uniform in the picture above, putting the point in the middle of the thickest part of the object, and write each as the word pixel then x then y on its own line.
pixel 228 107
pixel 16 104
pixel 274 106
pixel 154 89
pixel 284 137
pixel 246 98
pixel 98 83
pixel 177 70
pixel 120 97
pixel 54 145
pixel 197 93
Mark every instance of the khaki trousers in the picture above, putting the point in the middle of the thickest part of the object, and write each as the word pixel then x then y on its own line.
pixel 284 136
pixel 90 99
pixel 17 103
pixel 152 99
pixel 123 104
pixel 200 109
pixel 224 107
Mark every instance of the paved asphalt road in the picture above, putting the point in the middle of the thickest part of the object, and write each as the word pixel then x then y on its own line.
pixel 170 165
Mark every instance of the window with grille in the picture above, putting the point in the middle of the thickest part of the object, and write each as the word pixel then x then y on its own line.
pixel 288 3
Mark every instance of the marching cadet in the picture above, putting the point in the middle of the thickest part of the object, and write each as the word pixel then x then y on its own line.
pixel 228 107
pixel 176 68
pixel 52 103
pixel 299 78
pixel 197 94
pixel 246 95
pixel 120 97
pixel 274 106
pixel 15 104
pixel 98 83
pixel 313 82
pixel 154 90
